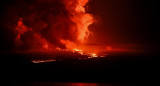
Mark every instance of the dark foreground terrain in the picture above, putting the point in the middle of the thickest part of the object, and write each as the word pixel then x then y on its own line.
pixel 114 69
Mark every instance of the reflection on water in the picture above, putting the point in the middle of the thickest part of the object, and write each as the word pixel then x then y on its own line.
pixel 66 84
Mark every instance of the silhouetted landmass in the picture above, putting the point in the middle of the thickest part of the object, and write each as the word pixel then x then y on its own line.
pixel 109 69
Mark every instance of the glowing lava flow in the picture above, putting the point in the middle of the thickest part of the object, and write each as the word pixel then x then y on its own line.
pixel 42 61
pixel 90 55
pixel 75 51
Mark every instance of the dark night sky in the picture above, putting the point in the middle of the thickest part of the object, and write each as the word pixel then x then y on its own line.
pixel 126 21
pixel 118 22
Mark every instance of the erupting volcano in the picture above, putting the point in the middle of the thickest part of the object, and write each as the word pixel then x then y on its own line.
pixel 50 26
pixel 78 42
pixel 53 25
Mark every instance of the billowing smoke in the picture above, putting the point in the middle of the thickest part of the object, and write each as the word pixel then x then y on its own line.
pixel 48 24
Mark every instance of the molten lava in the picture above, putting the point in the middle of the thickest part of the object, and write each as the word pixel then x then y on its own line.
pixel 91 55
pixel 42 61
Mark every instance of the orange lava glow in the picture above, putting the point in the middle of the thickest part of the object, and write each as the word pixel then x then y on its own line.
pixel 90 55
pixel 42 61
pixel 83 84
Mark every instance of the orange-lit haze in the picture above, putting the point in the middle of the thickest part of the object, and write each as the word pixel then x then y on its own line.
pixel 65 30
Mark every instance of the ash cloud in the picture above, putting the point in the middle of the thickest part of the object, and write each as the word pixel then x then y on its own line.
pixel 49 20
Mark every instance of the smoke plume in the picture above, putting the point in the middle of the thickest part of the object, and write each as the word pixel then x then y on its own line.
pixel 47 24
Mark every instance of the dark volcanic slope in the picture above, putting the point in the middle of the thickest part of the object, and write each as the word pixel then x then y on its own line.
pixel 111 69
